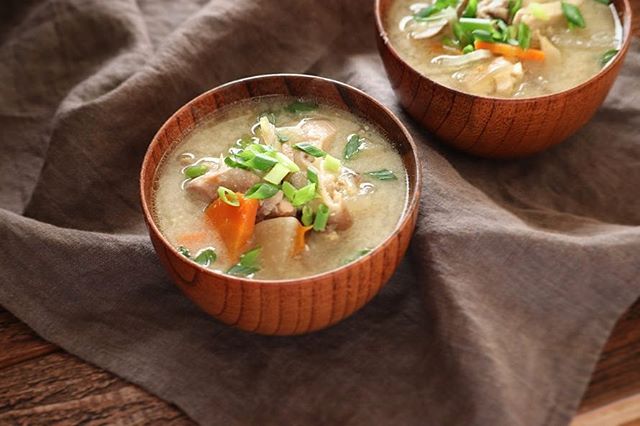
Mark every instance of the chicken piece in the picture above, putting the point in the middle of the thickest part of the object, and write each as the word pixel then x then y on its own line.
pixel 499 77
pixel 298 179
pixel 552 11
pixel 275 206
pixel 206 186
pixel 493 9
pixel 332 189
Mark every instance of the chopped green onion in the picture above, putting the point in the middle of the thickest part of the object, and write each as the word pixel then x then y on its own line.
pixel 448 41
pixel 437 6
pixel 304 195
pixel 573 15
pixel 287 162
pixel 539 12
pixel 301 106
pixel 524 35
pixel 383 174
pixel 310 149
pixel 289 191
pixel 514 7
pixel 193 172
pixel 353 146
pixel 206 257
pixel 236 162
pixel 248 264
pixel 322 216
pixel 312 174
pixel 608 55
pixel 270 116
pixel 262 191
pixel 277 173
pixel 357 256
pixel 463 37
pixel 228 196
pixel 184 251
pixel 483 35
pixel 470 24
pixel 468 49
pixel 262 162
pixel 331 164
pixel 282 138
pixel 471 10
pixel 307 216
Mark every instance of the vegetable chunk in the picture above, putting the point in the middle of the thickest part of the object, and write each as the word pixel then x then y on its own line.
pixel 234 224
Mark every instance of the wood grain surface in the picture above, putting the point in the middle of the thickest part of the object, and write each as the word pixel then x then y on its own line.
pixel 288 306
pixel 57 392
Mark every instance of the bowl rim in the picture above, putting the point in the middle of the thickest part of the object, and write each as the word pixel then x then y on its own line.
pixel 412 202
pixel 626 42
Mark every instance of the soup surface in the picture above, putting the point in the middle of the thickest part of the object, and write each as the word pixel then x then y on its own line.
pixel 505 48
pixel 276 188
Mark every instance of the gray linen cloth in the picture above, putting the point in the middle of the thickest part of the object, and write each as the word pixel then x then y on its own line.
pixel 516 274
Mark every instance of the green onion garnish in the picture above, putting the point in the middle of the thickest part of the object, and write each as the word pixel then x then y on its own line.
pixel 289 191
pixel 307 216
pixel 262 191
pixel 184 251
pixel 539 12
pixel 483 35
pixel 470 24
pixel 262 162
pixel 194 171
pixel 301 106
pixel 331 164
pixel 514 6
pixel 437 6
pixel 206 257
pixel 322 216
pixel 270 116
pixel 276 174
pixel 464 38
pixel 357 256
pixel 304 195
pixel 607 56
pixel 228 196
pixel 312 175
pixel 248 264
pixel 573 15
pixel 468 49
pixel 310 149
pixel 287 162
pixel 353 146
pixel 236 162
pixel 471 10
pixel 524 35
pixel 383 174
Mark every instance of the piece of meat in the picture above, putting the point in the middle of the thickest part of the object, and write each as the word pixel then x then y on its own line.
pixel 206 186
pixel 499 77
pixel 493 9
pixel 275 206
pixel 298 179
pixel 552 10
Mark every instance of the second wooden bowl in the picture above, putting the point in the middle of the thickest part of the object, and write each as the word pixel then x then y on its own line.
pixel 294 306
pixel 496 127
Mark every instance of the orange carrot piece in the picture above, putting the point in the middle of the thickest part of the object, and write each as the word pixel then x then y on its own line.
pixel 510 51
pixel 298 244
pixel 234 224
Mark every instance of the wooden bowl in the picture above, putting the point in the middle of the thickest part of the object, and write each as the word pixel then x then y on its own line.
pixel 291 306
pixel 490 126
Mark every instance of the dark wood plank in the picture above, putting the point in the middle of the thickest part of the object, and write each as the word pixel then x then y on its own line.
pixel 61 388
pixel 18 343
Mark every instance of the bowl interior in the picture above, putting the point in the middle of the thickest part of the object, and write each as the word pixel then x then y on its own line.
pixel 623 9
pixel 324 90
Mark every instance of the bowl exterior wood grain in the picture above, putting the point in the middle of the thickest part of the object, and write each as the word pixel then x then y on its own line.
pixel 496 127
pixel 295 306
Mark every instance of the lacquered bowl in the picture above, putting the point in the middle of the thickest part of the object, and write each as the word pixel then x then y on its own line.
pixel 496 127
pixel 291 306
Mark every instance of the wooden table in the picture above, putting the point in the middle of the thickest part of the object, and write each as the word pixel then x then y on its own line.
pixel 41 383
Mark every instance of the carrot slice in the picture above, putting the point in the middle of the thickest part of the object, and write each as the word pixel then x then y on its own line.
pixel 298 244
pixel 510 51
pixel 234 224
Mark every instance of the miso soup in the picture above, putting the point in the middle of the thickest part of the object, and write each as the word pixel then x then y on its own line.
pixel 276 188
pixel 506 48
